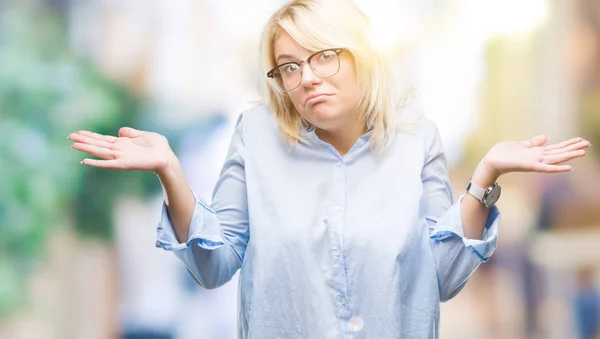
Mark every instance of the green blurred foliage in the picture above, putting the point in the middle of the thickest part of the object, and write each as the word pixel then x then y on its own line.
pixel 47 92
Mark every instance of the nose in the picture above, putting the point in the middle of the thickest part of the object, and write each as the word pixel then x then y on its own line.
pixel 309 78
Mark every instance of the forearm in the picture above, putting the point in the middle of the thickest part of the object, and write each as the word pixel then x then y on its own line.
pixel 474 212
pixel 178 198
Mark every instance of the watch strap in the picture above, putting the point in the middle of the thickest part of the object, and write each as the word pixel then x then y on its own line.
pixel 476 190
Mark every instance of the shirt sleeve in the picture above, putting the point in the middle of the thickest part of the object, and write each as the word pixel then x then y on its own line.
pixel 456 257
pixel 219 233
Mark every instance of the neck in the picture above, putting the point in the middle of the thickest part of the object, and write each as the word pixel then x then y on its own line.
pixel 344 138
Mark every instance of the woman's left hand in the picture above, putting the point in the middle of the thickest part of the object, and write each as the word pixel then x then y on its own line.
pixel 532 156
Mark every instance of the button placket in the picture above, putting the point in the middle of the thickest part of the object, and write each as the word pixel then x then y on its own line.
pixel 342 300
pixel 338 206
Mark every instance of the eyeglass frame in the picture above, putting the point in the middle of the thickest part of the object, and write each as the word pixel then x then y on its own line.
pixel 337 51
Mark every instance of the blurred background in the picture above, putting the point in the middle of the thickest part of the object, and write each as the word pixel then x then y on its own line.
pixel 77 254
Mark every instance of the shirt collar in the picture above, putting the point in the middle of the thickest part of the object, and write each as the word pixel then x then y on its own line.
pixel 307 133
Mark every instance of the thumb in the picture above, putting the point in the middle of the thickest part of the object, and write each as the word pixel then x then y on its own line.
pixel 538 140
pixel 129 132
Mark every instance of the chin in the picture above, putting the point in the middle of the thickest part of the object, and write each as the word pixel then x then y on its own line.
pixel 323 114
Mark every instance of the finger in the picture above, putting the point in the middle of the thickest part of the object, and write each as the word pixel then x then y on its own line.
pixel 564 143
pixel 108 164
pixel 90 141
pixel 538 140
pixel 107 138
pixel 129 132
pixel 548 168
pixel 100 152
pixel 573 147
pixel 562 157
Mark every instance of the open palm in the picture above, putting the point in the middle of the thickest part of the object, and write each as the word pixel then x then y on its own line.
pixel 532 155
pixel 132 150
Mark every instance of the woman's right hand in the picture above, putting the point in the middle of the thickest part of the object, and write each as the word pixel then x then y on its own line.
pixel 132 150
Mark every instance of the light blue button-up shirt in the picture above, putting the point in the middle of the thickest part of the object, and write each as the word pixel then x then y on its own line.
pixel 364 245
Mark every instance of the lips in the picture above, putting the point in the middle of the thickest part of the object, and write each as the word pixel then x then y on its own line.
pixel 316 96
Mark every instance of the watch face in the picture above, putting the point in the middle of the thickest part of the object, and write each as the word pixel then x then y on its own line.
pixel 493 196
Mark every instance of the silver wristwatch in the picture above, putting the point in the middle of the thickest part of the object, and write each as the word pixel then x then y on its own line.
pixel 488 196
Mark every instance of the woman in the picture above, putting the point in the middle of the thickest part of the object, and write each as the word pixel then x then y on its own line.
pixel 333 201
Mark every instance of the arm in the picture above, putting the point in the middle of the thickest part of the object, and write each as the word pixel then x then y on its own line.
pixel 215 236
pixel 517 156
pixel 474 213
pixel 211 241
pixel 179 199
pixel 464 234
pixel 456 256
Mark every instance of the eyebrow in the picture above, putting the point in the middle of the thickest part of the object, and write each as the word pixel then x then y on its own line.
pixel 284 56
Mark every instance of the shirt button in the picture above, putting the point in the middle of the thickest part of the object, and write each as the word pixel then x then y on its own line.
pixel 339 164
pixel 356 324
pixel 336 252
pixel 338 208
pixel 343 301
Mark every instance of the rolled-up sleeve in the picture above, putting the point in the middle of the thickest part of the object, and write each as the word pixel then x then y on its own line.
pixel 219 233
pixel 450 224
pixel 456 257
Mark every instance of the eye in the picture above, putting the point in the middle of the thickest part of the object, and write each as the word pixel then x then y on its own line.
pixel 326 55
pixel 289 68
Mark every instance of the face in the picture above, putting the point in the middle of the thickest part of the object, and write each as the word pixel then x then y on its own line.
pixel 327 103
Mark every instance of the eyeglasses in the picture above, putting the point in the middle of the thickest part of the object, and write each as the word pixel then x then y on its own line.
pixel 324 64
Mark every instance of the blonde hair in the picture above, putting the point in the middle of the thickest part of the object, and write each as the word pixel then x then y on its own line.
pixel 323 24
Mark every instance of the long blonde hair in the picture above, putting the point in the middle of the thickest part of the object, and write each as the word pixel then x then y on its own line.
pixel 323 24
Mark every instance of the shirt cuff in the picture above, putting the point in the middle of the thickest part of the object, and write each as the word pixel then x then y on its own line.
pixel 204 229
pixel 450 224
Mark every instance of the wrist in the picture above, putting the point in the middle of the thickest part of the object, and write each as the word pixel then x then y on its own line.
pixel 169 169
pixel 485 175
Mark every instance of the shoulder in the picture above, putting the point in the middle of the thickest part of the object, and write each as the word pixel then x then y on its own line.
pixel 258 117
pixel 257 127
pixel 416 130
pixel 413 120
